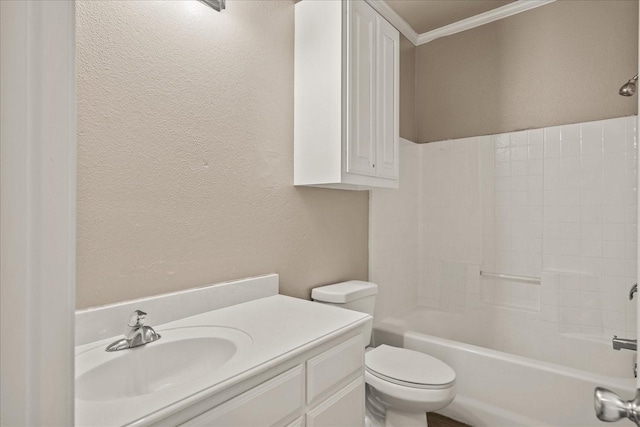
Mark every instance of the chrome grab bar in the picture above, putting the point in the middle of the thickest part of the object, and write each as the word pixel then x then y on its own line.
pixel 528 279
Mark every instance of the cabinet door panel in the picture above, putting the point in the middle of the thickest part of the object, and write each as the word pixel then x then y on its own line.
pixel 388 57
pixel 345 408
pixel 328 369
pixel 361 135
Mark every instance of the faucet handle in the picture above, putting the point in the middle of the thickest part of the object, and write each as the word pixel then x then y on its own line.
pixel 137 319
pixel 610 407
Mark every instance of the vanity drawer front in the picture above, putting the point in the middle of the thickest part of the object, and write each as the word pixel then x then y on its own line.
pixel 345 408
pixel 333 366
pixel 264 405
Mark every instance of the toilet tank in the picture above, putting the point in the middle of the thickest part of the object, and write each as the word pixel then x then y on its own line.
pixel 353 295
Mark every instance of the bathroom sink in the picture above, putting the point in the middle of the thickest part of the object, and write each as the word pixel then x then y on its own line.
pixel 181 356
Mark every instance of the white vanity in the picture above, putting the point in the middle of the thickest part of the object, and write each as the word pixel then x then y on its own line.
pixel 270 361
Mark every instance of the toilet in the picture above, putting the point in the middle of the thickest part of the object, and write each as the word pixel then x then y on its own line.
pixel 402 385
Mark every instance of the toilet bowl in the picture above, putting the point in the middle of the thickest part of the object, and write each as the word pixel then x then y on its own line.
pixel 402 385
pixel 407 384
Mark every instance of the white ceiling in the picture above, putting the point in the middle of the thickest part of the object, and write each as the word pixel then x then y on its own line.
pixel 427 15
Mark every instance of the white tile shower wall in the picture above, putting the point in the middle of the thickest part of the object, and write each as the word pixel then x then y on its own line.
pixel 557 203
pixel 511 180
pixel 450 223
pixel 590 223
pixel 394 244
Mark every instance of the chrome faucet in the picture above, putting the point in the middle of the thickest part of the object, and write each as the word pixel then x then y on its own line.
pixel 136 334
pixel 621 343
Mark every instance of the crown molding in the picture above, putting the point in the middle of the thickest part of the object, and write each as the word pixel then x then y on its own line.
pixel 481 19
pixel 397 21
pixel 394 19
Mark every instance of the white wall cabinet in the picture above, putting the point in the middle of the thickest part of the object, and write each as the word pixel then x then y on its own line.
pixel 346 96
pixel 325 387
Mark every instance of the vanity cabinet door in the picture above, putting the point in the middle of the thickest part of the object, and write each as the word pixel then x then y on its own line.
pixel 345 408
pixel 328 371
pixel 268 404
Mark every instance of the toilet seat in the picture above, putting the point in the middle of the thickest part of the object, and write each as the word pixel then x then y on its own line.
pixel 409 368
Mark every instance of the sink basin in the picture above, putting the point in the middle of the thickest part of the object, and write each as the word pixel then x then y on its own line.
pixel 181 356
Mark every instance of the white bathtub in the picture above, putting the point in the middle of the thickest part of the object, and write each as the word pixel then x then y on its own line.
pixel 539 386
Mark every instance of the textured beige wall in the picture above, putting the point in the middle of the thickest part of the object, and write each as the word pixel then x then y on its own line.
pixel 407 89
pixel 557 64
pixel 185 152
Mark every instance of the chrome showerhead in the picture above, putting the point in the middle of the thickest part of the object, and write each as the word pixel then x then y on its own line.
pixel 629 88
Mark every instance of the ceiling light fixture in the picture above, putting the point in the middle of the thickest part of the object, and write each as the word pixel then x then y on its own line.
pixel 218 5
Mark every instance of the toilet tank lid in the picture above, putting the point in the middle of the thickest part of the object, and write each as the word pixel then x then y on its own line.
pixel 344 292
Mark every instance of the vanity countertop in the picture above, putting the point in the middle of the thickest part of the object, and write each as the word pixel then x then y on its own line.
pixel 280 328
